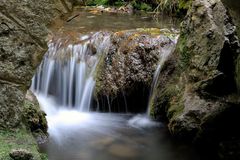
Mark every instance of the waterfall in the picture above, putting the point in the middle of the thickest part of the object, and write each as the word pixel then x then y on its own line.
pixel 166 52
pixel 67 71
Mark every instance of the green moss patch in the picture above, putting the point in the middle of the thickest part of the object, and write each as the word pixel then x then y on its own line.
pixel 18 139
pixel 33 117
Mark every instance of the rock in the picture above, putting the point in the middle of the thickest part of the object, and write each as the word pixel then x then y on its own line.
pixel 10 101
pixel 34 118
pixel 233 8
pixel 129 65
pixel 230 149
pixel 21 154
pixel 199 98
pixel 22 44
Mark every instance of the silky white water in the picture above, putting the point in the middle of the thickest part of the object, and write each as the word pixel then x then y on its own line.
pixel 64 82
pixel 163 58
pixel 64 85
pixel 66 73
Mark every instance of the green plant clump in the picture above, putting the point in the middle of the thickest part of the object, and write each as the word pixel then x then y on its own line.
pixel 97 2
pixel 141 6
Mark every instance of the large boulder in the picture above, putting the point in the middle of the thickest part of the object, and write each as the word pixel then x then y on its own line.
pixel 234 10
pixel 34 118
pixel 22 44
pixel 125 73
pixel 200 99
pixel 23 30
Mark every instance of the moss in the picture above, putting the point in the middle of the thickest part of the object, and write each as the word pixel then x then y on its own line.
pixel 176 107
pixel 17 139
pixel 184 53
pixel 165 103
pixel 33 117
pixel 184 4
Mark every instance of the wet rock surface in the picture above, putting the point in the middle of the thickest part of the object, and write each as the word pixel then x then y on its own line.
pixel 126 71
pixel 34 118
pixel 23 30
pixel 202 90
pixel 22 44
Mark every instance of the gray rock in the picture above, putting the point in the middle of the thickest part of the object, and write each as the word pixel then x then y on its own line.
pixel 199 98
pixel 22 44
pixel 34 118
pixel 11 100
pixel 21 154
pixel 131 60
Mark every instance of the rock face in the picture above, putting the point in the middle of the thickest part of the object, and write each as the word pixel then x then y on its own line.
pixel 126 71
pixel 34 118
pixel 22 43
pixel 200 98
pixel 234 10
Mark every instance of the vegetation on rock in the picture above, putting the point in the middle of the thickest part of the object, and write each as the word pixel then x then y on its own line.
pixel 199 93
pixel 19 139
pixel 167 6
pixel 130 64
pixel 23 30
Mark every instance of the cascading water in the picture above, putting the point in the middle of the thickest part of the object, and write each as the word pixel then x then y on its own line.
pixel 64 84
pixel 67 71
pixel 144 119
pixel 163 59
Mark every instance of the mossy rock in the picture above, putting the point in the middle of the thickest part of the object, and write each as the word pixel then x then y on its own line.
pixel 34 118
pixel 18 139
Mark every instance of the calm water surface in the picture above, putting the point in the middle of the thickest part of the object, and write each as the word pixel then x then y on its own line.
pixel 81 136
pixel 90 21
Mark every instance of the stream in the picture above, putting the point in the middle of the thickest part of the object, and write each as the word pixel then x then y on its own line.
pixel 64 85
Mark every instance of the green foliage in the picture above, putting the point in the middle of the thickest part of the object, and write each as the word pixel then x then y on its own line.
pixel 170 6
pixel 166 5
pixel 184 4
pixel 18 139
pixel 44 156
pixel 119 3
pixel 141 5
pixel 97 2
pixel 178 7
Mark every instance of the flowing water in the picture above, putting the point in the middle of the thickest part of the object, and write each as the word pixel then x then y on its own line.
pixel 64 83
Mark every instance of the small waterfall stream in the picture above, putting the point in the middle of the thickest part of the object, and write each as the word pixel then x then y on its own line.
pixel 163 58
pixel 67 71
